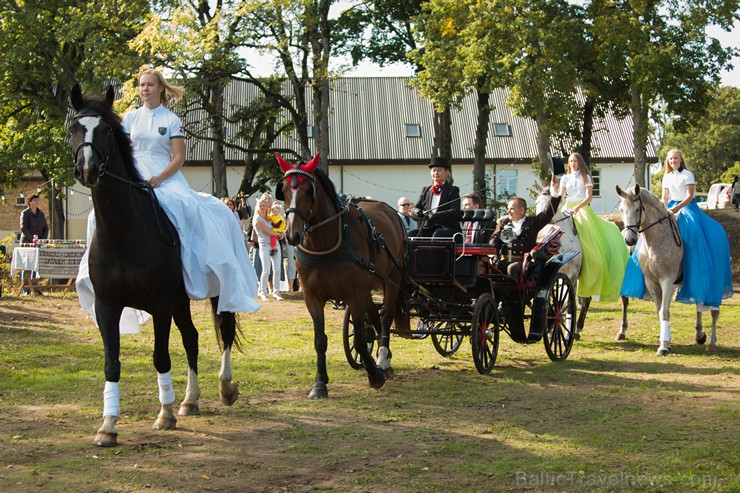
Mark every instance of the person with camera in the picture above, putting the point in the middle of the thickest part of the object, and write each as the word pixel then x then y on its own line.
pixel 438 207
pixel 516 233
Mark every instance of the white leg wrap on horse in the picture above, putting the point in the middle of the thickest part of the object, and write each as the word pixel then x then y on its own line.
pixel 665 331
pixel 111 400
pixel 166 391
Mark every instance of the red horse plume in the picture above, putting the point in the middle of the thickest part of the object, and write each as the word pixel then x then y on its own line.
pixel 309 167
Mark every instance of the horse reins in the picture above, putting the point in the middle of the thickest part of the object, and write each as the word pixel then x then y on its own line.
pixel 638 228
pixel 309 228
pixel 144 186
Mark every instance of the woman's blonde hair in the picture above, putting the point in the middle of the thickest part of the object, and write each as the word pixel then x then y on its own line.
pixel 170 93
pixel 668 168
pixel 582 167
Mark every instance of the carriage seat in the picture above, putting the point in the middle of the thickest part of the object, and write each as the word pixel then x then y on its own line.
pixel 477 215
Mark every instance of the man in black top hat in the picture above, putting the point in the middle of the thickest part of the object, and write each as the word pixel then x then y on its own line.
pixel 438 207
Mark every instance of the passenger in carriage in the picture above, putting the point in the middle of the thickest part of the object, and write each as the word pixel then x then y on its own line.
pixel 525 229
pixel 404 212
pixel 438 207
pixel 476 231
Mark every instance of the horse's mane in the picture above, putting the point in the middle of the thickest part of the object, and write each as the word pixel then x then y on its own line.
pixel 649 198
pixel 328 186
pixel 100 105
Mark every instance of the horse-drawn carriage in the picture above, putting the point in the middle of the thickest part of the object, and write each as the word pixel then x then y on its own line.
pixel 458 290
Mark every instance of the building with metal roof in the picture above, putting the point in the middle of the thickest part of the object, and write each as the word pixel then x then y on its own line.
pixel 381 139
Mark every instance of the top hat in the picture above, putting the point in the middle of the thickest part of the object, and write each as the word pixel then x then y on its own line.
pixel 557 166
pixel 439 161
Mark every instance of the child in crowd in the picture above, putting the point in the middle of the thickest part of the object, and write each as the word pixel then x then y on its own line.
pixel 278 225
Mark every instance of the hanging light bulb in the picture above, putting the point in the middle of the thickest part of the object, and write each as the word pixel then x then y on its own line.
pixel 71 192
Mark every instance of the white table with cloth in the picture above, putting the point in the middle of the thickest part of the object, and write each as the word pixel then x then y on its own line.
pixel 50 261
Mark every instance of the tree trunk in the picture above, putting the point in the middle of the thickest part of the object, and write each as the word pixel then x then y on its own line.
pixel 543 141
pixel 220 187
pixel 588 130
pixel 639 134
pixel 442 145
pixel 479 149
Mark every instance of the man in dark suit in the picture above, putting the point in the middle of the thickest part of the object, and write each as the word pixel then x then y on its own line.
pixel 478 231
pixel 525 230
pixel 438 207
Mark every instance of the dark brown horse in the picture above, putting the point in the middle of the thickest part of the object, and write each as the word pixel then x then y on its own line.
pixel 344 252
pixel 134 261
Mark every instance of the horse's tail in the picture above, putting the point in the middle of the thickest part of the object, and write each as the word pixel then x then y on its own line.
pixel 228 330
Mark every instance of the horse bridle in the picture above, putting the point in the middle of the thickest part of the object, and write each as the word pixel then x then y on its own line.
pixel 308 228
pixel 638 228
pixel 105 158
pixel 103 171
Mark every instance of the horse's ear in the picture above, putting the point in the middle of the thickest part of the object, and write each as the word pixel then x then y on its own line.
pixel 284 165
pixel 312 164
pixel 637 189
pixel 620 192
pixel 76 97
pixel 110 95
pixel 537 186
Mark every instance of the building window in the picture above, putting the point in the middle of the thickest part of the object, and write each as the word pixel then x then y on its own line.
pixel 310 131
pixel 506 182
pixel 413 130
pixel 596 177
pixel 501 130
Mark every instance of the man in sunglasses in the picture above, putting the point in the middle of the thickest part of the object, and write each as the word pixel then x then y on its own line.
pixel 405 206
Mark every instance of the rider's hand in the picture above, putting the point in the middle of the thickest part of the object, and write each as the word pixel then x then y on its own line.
pixel 155 181
pixel 417 213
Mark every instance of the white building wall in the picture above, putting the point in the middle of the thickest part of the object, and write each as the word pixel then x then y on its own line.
pixel 385 183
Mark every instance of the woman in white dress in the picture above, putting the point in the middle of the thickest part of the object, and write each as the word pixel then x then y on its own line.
pixel 604 252
pixel 214 258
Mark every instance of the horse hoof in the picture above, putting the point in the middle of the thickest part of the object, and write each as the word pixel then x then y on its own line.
pixel 663 351
pixel 576 336
pixel 228 393
pixel 389 373
pixel 711 347
pixel 106 439
pixel 318 391
pixel 165 424
pixel 377 379
pixel 188 409
pixel 701 339
pixel 620 337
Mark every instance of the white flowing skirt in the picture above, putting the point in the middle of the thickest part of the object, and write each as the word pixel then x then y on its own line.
pixel 215 261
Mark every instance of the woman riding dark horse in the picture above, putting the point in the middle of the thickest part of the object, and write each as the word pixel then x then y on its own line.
pixel 345 251
pixel 134 260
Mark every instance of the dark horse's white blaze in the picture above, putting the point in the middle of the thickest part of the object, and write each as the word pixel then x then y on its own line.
pixel 134 261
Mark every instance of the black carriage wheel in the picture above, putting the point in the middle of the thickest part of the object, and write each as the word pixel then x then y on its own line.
pixel 348 340
pixel 560 318
pixel 484 334
pixel 447 344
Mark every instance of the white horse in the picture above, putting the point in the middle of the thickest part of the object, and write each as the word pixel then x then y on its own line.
pixel 570 242
pixel 660 254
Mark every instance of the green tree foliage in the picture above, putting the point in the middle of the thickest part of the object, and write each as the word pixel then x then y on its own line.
pixel 662 51
pixel 711 143
pixel 46 47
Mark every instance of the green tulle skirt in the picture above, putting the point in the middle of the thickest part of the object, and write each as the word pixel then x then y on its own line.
pixel 604 255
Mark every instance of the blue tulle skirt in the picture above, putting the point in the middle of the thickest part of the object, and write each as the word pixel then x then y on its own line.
pixel 707 273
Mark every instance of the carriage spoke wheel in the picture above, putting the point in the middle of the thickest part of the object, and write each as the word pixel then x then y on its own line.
pixel 560 318
pixel 484 334
pixel 447 344
pixel 348 339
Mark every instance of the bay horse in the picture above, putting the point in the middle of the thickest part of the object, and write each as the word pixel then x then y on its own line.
pixel 570 242
pixel 134 261
pixel 345 251
pixel 660 254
